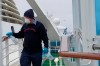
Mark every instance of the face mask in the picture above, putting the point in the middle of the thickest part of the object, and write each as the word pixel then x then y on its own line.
pixel 27 20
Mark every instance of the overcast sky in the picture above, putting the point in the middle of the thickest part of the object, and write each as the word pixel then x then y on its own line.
pixel 58 8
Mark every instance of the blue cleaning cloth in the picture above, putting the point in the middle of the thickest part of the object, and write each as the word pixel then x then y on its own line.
pixel 9 34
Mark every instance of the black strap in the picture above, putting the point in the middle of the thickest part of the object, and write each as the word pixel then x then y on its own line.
pixel 12 29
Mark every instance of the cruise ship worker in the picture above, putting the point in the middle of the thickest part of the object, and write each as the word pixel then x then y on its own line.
pixel 33 33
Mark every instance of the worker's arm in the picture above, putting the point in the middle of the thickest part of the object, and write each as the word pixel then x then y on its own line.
pixel 20 34
pixel 44 36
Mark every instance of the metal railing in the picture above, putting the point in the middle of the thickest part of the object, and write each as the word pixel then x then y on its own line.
pixel 11 53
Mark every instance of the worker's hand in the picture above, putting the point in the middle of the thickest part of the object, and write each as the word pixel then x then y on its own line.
pixel 45 50
pixel 9 34
pixel 44 53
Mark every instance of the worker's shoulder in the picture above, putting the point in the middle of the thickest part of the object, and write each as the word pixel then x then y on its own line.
pixel 40 23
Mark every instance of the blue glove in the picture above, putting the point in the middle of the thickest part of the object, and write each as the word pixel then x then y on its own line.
pixel 9 34
pixel 45 50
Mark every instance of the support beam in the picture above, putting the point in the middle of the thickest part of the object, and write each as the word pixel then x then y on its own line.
pixel 51 29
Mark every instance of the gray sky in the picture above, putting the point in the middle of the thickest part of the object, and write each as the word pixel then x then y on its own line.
pixel 58 8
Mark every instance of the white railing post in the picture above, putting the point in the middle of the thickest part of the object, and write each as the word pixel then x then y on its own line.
pixel 1 54
pixel 50 52
pixel 7 52
pixel 60 61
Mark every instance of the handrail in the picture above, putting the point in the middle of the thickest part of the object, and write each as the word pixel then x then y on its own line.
pixel 8 46
pixel 83 55
pixel 12 52
pixel 16 59
pixel 8 61
pixel 12 60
